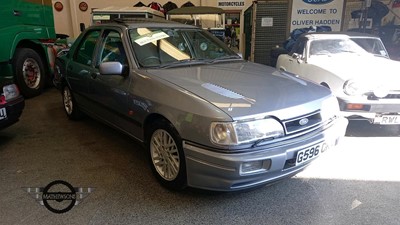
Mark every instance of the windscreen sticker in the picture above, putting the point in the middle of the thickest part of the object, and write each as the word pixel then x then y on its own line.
pixel 150 37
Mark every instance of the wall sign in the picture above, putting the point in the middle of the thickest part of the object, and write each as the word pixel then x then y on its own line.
pixel 267 21
pixel 58 6
pixel 308 13
pixel 230 4
pixel 83 6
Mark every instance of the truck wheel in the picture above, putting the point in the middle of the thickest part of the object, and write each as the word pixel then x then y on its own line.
pixel 29 72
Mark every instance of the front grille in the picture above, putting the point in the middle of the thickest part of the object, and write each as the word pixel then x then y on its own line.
pixel 302 123
pixel 389 96
pixel 394 96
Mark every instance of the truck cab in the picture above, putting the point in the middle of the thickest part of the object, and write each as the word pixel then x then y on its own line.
pixel 26 35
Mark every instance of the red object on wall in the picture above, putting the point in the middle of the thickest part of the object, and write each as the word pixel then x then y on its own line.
pixel 58 6
pixel 156 6
pixel 83 6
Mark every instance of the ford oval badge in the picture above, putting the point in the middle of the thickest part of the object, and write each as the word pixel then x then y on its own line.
pixel 303 121
pixel 317 2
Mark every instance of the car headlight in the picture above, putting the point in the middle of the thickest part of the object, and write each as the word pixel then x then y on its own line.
pixel 352 87
pixel 381 91
pixel 329 108
pixel 234 133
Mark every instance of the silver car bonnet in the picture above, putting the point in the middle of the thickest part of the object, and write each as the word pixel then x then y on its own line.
pixel 243 89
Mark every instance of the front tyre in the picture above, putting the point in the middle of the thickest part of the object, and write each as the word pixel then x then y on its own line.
pixel 29 72
pixel 167 160
pixel 70 106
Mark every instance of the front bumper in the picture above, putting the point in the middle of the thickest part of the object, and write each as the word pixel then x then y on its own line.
pixel 13 111
pixel 223 171
pixel 369 109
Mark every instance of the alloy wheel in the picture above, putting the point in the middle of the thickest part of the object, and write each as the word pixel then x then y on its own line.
pixel 68 104
pixel 164 155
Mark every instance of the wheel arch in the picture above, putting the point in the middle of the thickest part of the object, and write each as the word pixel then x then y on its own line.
pixel 151 119
pixel 325 85
pixel 37 47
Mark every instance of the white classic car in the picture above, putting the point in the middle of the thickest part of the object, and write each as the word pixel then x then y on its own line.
pixel 356 67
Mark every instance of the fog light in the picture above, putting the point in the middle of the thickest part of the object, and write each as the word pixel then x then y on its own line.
pixel 255 166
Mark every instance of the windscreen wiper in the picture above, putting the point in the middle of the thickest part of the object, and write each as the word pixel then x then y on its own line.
pixel 226 57
pixel 181 63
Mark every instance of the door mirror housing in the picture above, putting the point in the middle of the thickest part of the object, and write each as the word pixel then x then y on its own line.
pixel 298 57
pixel 112 68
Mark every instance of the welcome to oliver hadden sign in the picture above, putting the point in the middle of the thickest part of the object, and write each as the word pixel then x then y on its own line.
pixel 306 13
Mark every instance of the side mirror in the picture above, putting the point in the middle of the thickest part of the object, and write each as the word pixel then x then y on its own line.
pixel 112 68
pixel 298 57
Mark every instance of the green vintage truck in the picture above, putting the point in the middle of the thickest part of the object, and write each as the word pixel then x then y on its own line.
pixel 27 37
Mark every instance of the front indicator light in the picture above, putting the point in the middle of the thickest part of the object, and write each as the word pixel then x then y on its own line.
pixel 351 106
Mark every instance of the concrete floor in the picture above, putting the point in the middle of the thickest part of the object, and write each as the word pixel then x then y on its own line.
pixel 357 183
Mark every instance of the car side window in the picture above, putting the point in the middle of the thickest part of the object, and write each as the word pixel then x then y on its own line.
pixel 112 49
pixel 86 48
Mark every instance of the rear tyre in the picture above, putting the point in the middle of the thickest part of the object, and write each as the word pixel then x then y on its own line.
pixel 166 156
pixel 70 106
pixel 29 72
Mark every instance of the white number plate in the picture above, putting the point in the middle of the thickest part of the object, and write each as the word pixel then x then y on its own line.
pixel 309 153
pixel 3 114
pixel 387 119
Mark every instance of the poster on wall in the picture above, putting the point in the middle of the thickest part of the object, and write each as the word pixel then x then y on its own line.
pixel 306 13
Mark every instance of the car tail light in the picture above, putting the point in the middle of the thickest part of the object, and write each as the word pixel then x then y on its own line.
pixel 2 99
pixel 9 92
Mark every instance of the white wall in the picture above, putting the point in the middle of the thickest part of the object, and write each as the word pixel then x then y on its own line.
pixel 67 21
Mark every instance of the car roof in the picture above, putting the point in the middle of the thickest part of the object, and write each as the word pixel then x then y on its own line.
pixel 145 22
pixel 318 35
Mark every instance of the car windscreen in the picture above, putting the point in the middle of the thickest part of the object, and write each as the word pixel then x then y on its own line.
pixel 334 46
pixel 347 45
pixel 167 47
pixel 372 45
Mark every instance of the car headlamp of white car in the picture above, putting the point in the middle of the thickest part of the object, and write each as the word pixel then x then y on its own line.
pixel 235 133
pixel 353 87
pixel 329 108
pixel 381 91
